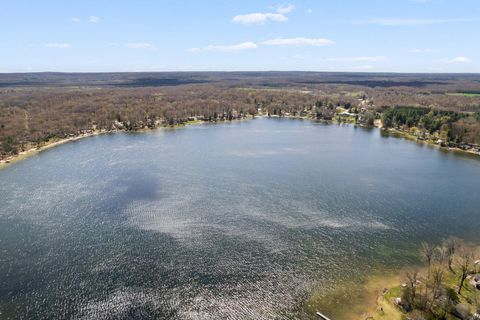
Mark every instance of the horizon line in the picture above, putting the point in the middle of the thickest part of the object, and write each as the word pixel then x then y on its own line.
pixel 239 71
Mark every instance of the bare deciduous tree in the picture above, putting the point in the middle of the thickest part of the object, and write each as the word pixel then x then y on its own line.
pixel 427 251
pixel 451 245
pixel 410 292
pixel 436 283
pixel 441 254
pixel 465 263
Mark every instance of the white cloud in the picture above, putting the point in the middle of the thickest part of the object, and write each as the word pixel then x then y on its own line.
pixel 57 45
pixel 259 18
pixel 140 45
pixel 263 17
pixel 356 59
pixel 284 9
pixel 369 59
pixel 456 60
pixel 424 50
pixel 94 19
pixel 461 60
pixel 309 11
pixel 75 20
pixel 228 48
pixel 132 45
pixel 408 22
pixel 302 56
pixel 273 42
pixel 298 42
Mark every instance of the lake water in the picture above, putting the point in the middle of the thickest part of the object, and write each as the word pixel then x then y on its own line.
pixel 242 220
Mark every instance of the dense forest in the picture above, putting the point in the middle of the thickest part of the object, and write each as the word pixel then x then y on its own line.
pixel 38 107
pixel 453 127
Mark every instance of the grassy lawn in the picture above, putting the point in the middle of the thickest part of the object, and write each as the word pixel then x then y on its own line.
pixel 463 94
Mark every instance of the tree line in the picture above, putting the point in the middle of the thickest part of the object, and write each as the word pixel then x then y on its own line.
pixel 458 127
pixel 36 110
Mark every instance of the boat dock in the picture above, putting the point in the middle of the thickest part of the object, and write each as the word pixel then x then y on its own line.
pixel 322 316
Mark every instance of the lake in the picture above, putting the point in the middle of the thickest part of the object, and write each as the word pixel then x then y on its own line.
pixel 241 220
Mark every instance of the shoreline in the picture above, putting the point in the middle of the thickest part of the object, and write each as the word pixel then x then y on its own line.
pixel 50 144
pixel 4 163
pixel 367 300
pixel 410 137
pixel 383 308
pixel 47 145
pixel 389 286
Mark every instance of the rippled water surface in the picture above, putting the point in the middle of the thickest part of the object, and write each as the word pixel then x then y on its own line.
pixel 233 221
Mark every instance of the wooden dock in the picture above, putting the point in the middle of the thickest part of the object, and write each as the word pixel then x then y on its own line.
pixel 322 316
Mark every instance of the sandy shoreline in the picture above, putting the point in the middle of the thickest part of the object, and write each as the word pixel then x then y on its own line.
pixel 361 300
pixel 381 308
pixel 50 144
pixel 47 145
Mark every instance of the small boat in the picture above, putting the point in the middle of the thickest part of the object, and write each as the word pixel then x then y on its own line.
pixel 322 316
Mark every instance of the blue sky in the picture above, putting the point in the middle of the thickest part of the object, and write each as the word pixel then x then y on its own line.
pixel 195 35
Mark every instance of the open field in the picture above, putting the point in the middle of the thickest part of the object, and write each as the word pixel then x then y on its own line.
pixel 464 94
